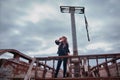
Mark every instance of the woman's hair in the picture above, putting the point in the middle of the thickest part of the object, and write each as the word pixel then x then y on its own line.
pixel 65 39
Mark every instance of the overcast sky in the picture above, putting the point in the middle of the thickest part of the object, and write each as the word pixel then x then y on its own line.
pixel 32 26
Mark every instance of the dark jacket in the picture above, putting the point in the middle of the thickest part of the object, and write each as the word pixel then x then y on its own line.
pixel 62 50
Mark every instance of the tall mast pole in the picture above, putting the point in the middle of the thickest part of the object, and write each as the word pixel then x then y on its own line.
pixel 74 38
pixel 72 10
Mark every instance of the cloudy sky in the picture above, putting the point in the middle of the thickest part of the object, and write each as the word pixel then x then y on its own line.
pixel 32 26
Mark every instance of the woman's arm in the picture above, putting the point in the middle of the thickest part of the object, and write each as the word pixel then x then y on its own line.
pixel 57 42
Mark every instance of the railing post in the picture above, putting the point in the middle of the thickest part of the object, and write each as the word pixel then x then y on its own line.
pixel 97 67
pixel 17 57
pixel 88 67
pixel 53 73
pixel 117 70
pixel 106 67
pixel 36 69
pixel 45 70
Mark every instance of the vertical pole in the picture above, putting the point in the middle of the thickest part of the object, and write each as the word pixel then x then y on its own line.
pixel 36 69
pixel 45 70
pixel 88 67
pixel 53 75
pixel 97 67
pixel 106 67
pixel 117 70
pixel 114 62
pixel 75 51
pixel 74 39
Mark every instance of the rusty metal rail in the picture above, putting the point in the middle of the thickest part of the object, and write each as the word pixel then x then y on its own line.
pixel 41 69
pixel 16 54
pixel 15 68
pixel 85 60
pixel 90 78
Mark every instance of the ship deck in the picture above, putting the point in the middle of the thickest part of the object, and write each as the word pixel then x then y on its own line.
pixel 107 67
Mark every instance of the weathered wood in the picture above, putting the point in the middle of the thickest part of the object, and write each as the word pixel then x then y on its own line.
pixel 11 63
pixel 88 78
pixel 92 56
pixel 28 75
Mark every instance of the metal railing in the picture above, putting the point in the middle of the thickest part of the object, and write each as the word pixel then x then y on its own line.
pixel 89 65
pixel 19 69
pixel 87 69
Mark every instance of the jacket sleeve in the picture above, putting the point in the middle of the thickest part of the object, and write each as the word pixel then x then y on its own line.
pixel 57 42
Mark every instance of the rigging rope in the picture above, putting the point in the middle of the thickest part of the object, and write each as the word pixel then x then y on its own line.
pixel 86 24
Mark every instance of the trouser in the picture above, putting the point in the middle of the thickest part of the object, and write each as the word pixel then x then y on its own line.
pixel 64 66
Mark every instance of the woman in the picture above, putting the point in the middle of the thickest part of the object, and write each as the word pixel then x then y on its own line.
pixel 63 50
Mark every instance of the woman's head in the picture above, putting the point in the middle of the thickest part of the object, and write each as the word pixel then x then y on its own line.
pixel 64 39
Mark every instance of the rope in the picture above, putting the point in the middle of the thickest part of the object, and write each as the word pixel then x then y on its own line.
pixel 86 24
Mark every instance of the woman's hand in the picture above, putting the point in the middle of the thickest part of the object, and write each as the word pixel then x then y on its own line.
pixel 68 54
